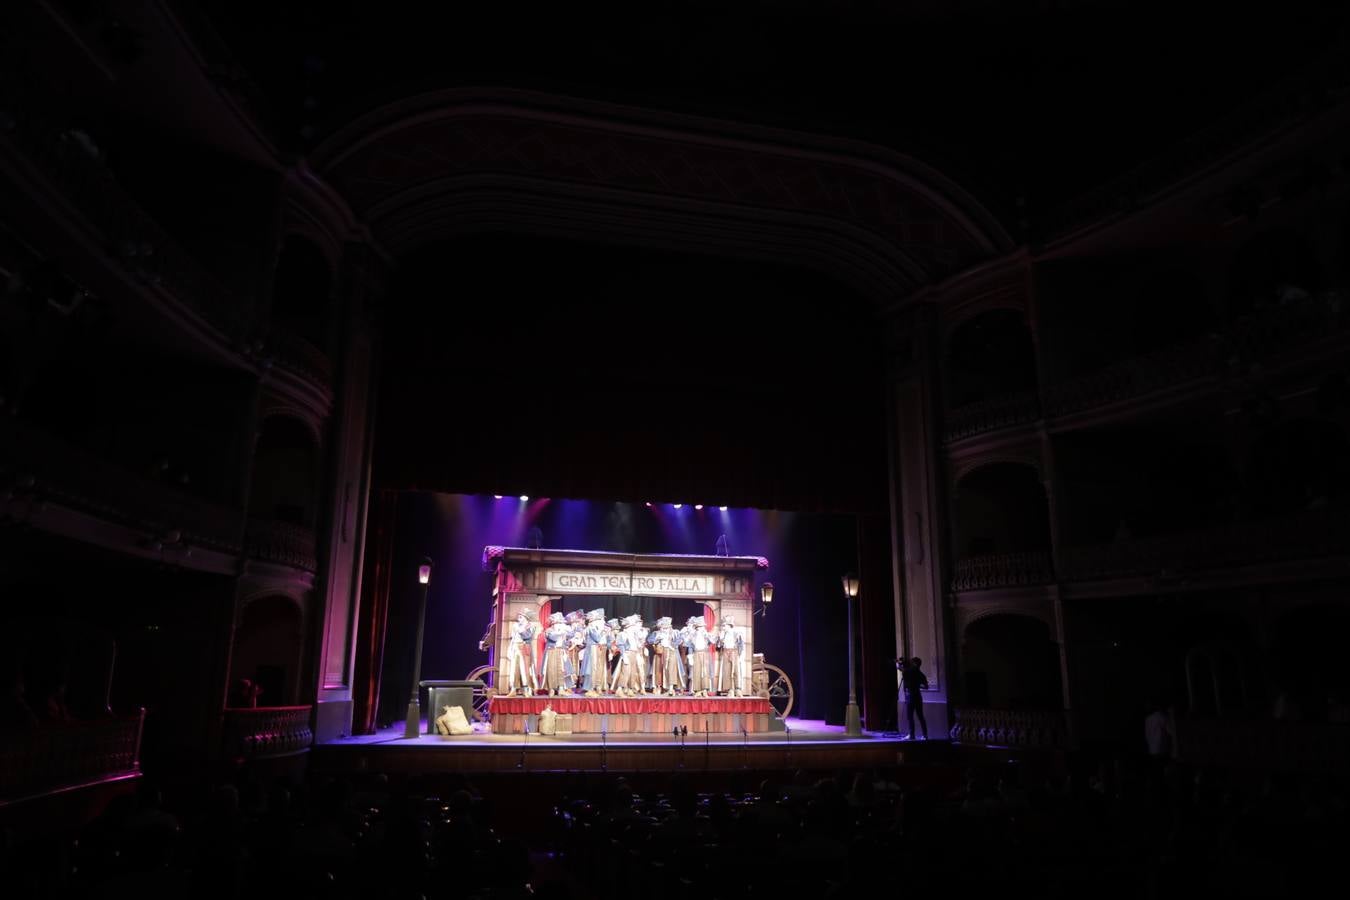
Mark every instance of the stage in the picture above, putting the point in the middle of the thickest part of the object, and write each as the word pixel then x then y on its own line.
pixel 654 716
pixel 804 744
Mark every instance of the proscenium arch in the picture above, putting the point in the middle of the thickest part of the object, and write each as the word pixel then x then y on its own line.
pixel 452 162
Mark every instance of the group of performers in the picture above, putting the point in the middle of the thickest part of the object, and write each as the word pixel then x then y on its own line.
pixel 596 657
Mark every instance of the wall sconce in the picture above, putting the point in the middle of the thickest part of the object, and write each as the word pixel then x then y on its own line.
pixel 765 597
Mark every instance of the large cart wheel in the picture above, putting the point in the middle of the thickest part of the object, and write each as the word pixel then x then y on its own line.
pixel 487 675
pixel 781 694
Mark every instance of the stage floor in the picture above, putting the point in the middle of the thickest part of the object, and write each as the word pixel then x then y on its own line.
pixel 802 730
pixel 806 744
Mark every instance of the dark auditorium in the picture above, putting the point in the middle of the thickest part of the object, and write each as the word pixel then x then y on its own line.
pixel 761 449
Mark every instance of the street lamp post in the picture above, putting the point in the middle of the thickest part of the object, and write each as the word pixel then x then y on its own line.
pixel 852 718
pixel 413 727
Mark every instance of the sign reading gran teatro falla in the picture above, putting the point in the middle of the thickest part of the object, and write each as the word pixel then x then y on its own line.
pixel 646 583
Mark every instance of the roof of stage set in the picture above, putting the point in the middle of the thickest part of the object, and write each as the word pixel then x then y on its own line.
pixel 542 556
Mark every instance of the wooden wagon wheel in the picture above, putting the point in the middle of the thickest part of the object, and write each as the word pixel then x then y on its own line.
pixel 487 675
pixel 781 694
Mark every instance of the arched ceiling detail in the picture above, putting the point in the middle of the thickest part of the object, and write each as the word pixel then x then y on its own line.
pixel 452 162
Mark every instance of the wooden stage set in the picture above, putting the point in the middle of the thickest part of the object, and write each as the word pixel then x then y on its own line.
pixel 801 744
pixel 647 732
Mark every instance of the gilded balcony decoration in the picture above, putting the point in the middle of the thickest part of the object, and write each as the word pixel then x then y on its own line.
pixel 1003 570
pixel 281 542
pixel 267 731
pixel 988 415
pixel 1031 728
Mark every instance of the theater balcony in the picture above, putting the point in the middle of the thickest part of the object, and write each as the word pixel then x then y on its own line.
pixel 1036 729
pixel 57 176
pixel 1002 570
pixel 267 732
pixel 1307 544
pixel 45 760
pixel 281 543
pixel 983 416
pixel 63 489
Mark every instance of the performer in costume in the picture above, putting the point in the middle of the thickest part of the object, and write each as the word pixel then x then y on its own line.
pixel 682 639
pixel 700 663
pixel 651 646
pixel 576 620
pixel 554 676
pixel 730 647
pixel 613 628
pixel 520 653
pixel 595 680
pixel 643 652
pixel 629 680
pixel 666 660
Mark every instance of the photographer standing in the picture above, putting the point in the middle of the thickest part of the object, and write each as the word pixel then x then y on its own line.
pixel 912 683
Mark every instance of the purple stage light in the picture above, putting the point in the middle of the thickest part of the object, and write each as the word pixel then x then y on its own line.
pixel 677 505
pixel 524 498
pixel 698 506
pixel 496 496
pixel 722 508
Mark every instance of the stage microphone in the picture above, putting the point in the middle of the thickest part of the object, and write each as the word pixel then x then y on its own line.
pixel 523 745
pixel 745 745
pixel 604 750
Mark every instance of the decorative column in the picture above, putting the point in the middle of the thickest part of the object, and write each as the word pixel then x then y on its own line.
pixel 343 531
pixel 1054 495
pixel 917 552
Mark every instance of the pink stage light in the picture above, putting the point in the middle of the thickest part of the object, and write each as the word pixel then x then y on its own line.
pixel 698 506
pixel 496 496
pixel 677 505
pixel 649 504
pixel 524 498
pixel 722 508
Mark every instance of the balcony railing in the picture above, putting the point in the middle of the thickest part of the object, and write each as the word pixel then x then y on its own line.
pixel 1264 745
pixel 1002 570
pixel 267 731
pixel 1032 728
pixel 281 542
pixel 988 415
pixel 1272 332
pixel 43 759
pixel 1137 377
pixel 54 469
pixel 1313 534
pixel 298 355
